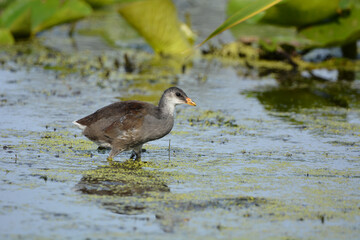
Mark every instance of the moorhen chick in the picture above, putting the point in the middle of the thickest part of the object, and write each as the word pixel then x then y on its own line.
pixel 127 125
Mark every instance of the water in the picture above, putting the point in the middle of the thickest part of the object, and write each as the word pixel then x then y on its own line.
pixel 243 164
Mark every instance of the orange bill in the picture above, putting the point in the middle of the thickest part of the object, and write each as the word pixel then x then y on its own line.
pixel 190 102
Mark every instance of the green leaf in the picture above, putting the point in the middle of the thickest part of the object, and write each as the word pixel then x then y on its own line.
pixel 99 3
pixel 6 37
pixel 324 29
pixel 4 3
pixel 234 6
pixel 338 32
pixel 272 33
pixel 157 22
pixel 42 11
pixel 102 3
pixel 243 14
pixel 27 17
pixel 17 18
pixel 69 11
pixel 301 12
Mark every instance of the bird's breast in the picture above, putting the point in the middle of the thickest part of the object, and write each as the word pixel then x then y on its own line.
pixel 154 128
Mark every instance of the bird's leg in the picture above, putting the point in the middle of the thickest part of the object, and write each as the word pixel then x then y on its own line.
pixel 133 154
pixel 137 153
pixel 109 159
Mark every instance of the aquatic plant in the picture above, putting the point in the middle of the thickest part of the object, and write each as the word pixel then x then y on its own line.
pixel 25 18
pixel 336 23
pixel 157 22
pixel 248 10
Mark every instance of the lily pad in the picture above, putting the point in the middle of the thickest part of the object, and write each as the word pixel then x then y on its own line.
pixel 157 22
pixel 69 11
pixel 241 14
pixel 301 12
pixel 17 18
pixel 267 32
pixel 28 17
pixel 340 32
pixel 102 3
pixel 294 22
pixel 290 13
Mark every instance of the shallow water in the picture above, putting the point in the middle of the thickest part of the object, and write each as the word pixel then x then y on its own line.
pixel 243 164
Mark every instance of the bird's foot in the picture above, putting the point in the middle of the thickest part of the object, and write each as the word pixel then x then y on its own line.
pixel 135 156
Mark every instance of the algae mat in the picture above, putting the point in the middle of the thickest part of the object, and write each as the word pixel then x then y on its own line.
pixel 236 168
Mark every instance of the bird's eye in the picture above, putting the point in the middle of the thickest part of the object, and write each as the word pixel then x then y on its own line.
pixel 178 94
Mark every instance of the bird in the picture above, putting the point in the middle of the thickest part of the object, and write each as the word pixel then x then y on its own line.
pixel 127 125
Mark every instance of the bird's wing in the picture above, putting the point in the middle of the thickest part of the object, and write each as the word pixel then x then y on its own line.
pixel 127 124
pixel 108 112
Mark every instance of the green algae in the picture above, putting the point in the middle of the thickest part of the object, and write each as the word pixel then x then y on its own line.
pixel 121 179
pixel 324 121
pixel 209 118
pixel 64 143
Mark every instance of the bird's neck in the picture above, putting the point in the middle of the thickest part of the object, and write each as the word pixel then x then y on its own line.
pixel 166 108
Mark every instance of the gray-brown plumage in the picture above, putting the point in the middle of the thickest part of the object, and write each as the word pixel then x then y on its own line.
pixel 128 125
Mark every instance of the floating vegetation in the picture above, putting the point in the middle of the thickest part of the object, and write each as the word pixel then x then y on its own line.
pixel 211 118
pixel 122 179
